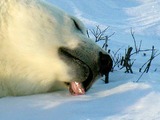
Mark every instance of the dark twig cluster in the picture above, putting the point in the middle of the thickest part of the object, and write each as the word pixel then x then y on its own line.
pixel 100 35
pixel 147 64
pixel 127 62
pixel 124 61
pixel 116 57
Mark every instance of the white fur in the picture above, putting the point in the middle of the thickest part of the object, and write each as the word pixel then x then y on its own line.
pixel 31 31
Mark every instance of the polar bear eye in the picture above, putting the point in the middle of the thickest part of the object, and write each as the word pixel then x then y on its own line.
pixel 77 26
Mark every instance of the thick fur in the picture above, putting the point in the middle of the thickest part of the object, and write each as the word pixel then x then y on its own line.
pixel 31 33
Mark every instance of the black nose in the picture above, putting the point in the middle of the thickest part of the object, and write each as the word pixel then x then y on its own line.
pixel 105 65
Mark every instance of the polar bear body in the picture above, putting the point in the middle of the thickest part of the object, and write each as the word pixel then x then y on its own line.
pixel 31 33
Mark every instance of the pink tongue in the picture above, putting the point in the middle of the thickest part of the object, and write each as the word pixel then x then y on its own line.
pixel 76 88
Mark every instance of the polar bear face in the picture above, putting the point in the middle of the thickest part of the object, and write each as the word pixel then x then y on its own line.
pixel 43 49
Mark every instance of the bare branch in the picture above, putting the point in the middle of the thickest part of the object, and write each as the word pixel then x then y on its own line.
pixel 135 43
pixel 148 63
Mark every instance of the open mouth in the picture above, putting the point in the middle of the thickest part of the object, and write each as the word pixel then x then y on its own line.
pixel 86 74
pixel 77 88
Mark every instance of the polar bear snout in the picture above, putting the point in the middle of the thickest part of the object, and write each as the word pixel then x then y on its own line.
pixel 85 71
pixel 104 65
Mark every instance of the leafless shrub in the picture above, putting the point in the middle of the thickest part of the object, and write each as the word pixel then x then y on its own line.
pixel 116 57
pixel 100 35
pixel 137 48
pixel 147 64
pixel 124 61
pixel 127 61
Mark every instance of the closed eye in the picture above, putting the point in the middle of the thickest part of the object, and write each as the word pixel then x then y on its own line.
pixel 77 26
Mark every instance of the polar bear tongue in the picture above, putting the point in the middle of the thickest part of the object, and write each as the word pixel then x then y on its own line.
pixel 76 88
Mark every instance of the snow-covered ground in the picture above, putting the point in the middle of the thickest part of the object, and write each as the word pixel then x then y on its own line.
pixel 122 98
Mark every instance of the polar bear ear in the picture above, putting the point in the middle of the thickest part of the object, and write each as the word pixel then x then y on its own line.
pixel 78 25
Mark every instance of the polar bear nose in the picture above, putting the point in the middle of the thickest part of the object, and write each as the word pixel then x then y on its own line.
pixel 105 65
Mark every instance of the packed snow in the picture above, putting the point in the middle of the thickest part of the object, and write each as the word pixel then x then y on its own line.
pixel 121 99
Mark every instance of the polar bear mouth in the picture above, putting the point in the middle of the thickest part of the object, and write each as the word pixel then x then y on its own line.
pixel 82 82
pixel 78 88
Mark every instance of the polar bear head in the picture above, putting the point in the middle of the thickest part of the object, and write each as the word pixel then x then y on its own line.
pixel 43 49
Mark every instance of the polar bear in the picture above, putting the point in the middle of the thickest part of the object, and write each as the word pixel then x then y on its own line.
pixel 43 49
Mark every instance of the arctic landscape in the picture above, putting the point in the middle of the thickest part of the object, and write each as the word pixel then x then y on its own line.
pixel 127 96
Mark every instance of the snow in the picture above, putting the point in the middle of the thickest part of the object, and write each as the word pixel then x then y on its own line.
pixel 122 98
